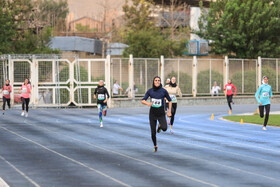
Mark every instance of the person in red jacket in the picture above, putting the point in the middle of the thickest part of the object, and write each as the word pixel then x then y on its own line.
pixel 6 90
pixel 229 87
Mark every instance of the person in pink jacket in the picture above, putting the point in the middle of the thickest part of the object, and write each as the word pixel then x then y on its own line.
pixel 229 92
pixel 6 90
pixel 25 97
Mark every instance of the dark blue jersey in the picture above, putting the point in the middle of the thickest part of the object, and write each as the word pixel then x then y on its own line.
pixel 157 98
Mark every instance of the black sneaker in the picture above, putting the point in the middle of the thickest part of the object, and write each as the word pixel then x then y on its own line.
pixel 158 130
pixel 155 149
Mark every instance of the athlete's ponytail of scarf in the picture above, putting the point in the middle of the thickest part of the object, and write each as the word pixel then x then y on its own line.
pixel 154 87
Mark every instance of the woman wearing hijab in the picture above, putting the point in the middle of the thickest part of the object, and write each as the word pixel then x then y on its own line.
pixel 263 96
pixel 157 113
pixel 173 90
pixel 7 89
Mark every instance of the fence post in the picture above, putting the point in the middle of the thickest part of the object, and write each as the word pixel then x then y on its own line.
pixel 72 75
pixel 131 76
pixel 162 68
pixel 11 78
pixel 226 70
pixel 34 81
pixel 259 71
pixel 108 76
pixel 194 76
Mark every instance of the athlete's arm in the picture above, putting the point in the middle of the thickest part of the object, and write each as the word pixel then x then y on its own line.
pixel 235 90
pixel 257 95
pixel 144 102
pixel 106 92
pixel 270 94
pixel 179 91
pixel 94 95
pixel 169 103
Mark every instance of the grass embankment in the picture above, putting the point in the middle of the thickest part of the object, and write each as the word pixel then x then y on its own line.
pixel 274 120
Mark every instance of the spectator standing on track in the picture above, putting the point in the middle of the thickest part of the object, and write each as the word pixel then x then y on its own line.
pixel 102 96
pixel 263 95
pixel 6 90
pixel 215 89
pixel 25 96
pixel 173 90
pixel 229 93
pixel 157 113
pixel 116 88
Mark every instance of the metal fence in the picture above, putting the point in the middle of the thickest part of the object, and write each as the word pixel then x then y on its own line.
pixel 59 80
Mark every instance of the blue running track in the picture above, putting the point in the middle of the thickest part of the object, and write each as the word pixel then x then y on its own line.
pixel 66 147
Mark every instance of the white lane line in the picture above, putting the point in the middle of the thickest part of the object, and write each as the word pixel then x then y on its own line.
pixel 214 149
pixel 230 167
pixel 233 142
pixel 20 172
pixel 3 183
pixel 136 159
pixel 68 158
pixel 214 139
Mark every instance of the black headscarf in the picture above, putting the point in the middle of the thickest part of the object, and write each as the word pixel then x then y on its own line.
pixel 154 87
pixel 173 85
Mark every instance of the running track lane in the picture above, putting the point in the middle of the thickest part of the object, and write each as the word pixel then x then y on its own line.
pixel 61 148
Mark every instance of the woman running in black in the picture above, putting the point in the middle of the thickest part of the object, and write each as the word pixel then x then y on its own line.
pixel 157 113
pixel 102 96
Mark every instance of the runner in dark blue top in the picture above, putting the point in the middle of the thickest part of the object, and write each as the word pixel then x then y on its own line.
pixel 157 113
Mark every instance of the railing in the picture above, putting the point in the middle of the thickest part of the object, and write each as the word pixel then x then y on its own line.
pixel 59 80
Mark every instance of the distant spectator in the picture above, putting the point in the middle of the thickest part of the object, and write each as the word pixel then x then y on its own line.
pixel 134 91
pixel 167 82
pixel 215 89
pixel 116 88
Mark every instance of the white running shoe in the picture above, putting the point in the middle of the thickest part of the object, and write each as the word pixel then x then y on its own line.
pixel 26 115
pixel 171 131
pixel 101 124
pixel 22 114
pixel 264 128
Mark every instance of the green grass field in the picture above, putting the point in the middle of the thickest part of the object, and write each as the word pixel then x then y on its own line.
pixel 274 120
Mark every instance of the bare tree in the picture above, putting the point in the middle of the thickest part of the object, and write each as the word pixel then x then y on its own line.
pixel 175 16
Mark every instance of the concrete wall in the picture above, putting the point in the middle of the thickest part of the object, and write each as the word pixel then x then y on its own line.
pixel 239 100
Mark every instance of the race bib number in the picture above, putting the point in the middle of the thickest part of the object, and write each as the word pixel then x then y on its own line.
pixel 156 103
pixel 101 97
pixel 265 94
pixel 6 92
pixel 173 97
pixel 228 87
pixel 24 90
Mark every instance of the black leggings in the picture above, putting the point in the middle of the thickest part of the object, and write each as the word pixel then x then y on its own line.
pixel 173 111
pixel 153 123
pixel 229 100
pixel 267 110
pixel 8 102
pixel 26 102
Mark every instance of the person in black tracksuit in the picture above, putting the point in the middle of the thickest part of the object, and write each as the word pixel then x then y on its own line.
pixel 157 113
pixel 102 96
